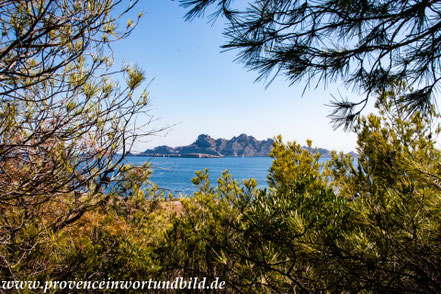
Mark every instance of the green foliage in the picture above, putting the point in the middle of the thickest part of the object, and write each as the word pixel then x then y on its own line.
pixel 395 202
pixel 368 224
pixel 116 242
pixel 119 240
pixel 209 226
pixel 63 120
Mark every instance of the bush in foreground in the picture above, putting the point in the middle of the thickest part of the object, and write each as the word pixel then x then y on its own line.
pixel 370 224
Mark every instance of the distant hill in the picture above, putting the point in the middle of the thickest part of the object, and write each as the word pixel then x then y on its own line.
pixel 205 146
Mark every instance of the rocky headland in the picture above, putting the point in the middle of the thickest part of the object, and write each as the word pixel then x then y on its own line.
pixel 208 147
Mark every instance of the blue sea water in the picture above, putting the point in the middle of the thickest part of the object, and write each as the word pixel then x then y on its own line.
pixel 175 174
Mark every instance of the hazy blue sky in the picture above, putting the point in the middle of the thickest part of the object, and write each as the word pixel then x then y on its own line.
pixel 201 90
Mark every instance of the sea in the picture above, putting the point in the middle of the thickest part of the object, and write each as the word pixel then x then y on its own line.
pixel 174 174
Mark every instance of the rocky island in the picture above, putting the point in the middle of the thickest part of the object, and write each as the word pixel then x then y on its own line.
pixel 208 147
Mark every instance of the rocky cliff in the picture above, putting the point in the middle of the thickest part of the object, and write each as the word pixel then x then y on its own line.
pixel 242 145
pixel 206 146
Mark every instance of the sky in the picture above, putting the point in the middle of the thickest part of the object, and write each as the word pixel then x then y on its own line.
pixel 196 88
